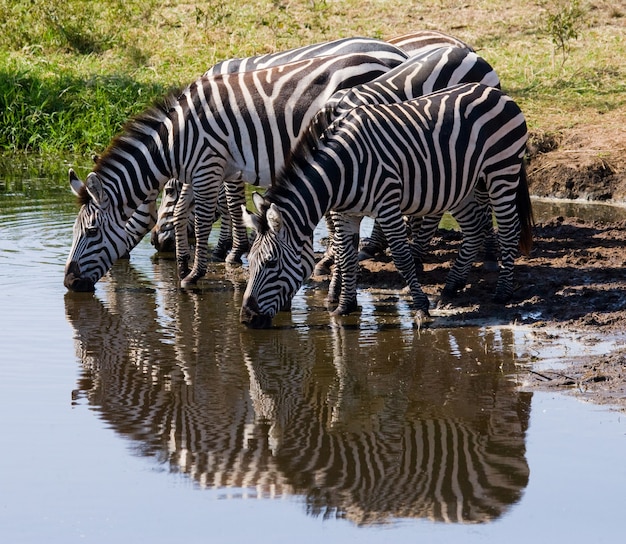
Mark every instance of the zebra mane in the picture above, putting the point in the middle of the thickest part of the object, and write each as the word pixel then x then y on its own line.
pixel 82 196
pixel 139 126
pixel 302 153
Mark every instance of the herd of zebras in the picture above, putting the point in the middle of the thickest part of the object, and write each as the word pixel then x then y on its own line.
pixel 406 128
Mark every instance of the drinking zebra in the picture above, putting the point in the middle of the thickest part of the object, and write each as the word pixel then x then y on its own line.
pixel 431 70
pixel 163 236
pixel 418 157
pixel 220 127
pixel 414 43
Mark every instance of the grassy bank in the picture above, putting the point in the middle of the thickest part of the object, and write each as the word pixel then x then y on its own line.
pixel 72 71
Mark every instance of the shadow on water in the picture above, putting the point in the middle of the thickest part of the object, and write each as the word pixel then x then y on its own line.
pixel 366 427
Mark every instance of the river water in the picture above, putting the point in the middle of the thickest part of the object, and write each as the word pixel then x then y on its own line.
pixel 144 413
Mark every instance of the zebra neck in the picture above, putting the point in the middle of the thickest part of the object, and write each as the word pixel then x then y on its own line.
pixel 303 208
pixel 132 183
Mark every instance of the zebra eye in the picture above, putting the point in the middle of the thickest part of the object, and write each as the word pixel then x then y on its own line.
pixel 169 191
pixel 91 231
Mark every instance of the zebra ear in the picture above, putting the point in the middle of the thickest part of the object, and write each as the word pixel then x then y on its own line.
pixel 274 218
pixel 250 220
pixel 95 190
pixel 259 201
pixel 75 183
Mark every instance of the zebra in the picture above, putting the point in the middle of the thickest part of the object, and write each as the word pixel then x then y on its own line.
pixel 163 236
pixel 412 44
pixel 431 70
pixel 388 160
pixel 235 124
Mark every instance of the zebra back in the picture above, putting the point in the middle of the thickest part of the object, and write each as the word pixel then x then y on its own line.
pixel 431 70
pixel 420 40
pixel 378 132
pixel 382 50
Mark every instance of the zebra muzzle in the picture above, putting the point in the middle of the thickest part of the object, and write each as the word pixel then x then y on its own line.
pixel 73 280
pixel 251 316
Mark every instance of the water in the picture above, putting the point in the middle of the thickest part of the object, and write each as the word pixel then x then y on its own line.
pixel 143 412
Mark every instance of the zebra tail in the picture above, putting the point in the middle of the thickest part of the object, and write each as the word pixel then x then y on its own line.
pixel 525 213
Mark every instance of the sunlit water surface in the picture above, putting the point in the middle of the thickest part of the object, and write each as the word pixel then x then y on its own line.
pixel 142 413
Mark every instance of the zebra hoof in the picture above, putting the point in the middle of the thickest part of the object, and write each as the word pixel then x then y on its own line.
pixel 191 280
pixel 183 267
pixel 234 258
pixel 365 254
pixel 219 255
pixel 331 299
pixel 220 251
pixel 322 268
pixel 502 298
pixel 346 309
pixel 450 292
pixel 421 303
pixel 490 266
pixel 422 318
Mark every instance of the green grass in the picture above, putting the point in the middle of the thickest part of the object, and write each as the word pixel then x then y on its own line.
pixel 45 112
pixel 73 71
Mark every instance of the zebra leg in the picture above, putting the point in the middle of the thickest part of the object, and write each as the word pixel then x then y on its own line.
pixel 508 236
pixel 346 265
pixel 395 230
pixel 236 198
pixel 491 248
pixel 205 195
pixel 490 238
pixel 377 243
pixel 423 230
pixel 181 222
pixel 334 287
pixel 225 241
pixel 322 268
pixel 470 217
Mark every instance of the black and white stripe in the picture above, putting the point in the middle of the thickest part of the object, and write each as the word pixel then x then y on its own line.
pixel 222 127
pixel 418 41
pixel 456 460
pixel 419 157
pixel 163 237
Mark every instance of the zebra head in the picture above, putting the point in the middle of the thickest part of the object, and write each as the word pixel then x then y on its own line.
pixel 163 237
pixel 278 265
pixel 99 236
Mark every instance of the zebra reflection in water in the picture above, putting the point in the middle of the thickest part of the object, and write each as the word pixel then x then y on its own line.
pixel 361 432
pixel 409 439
